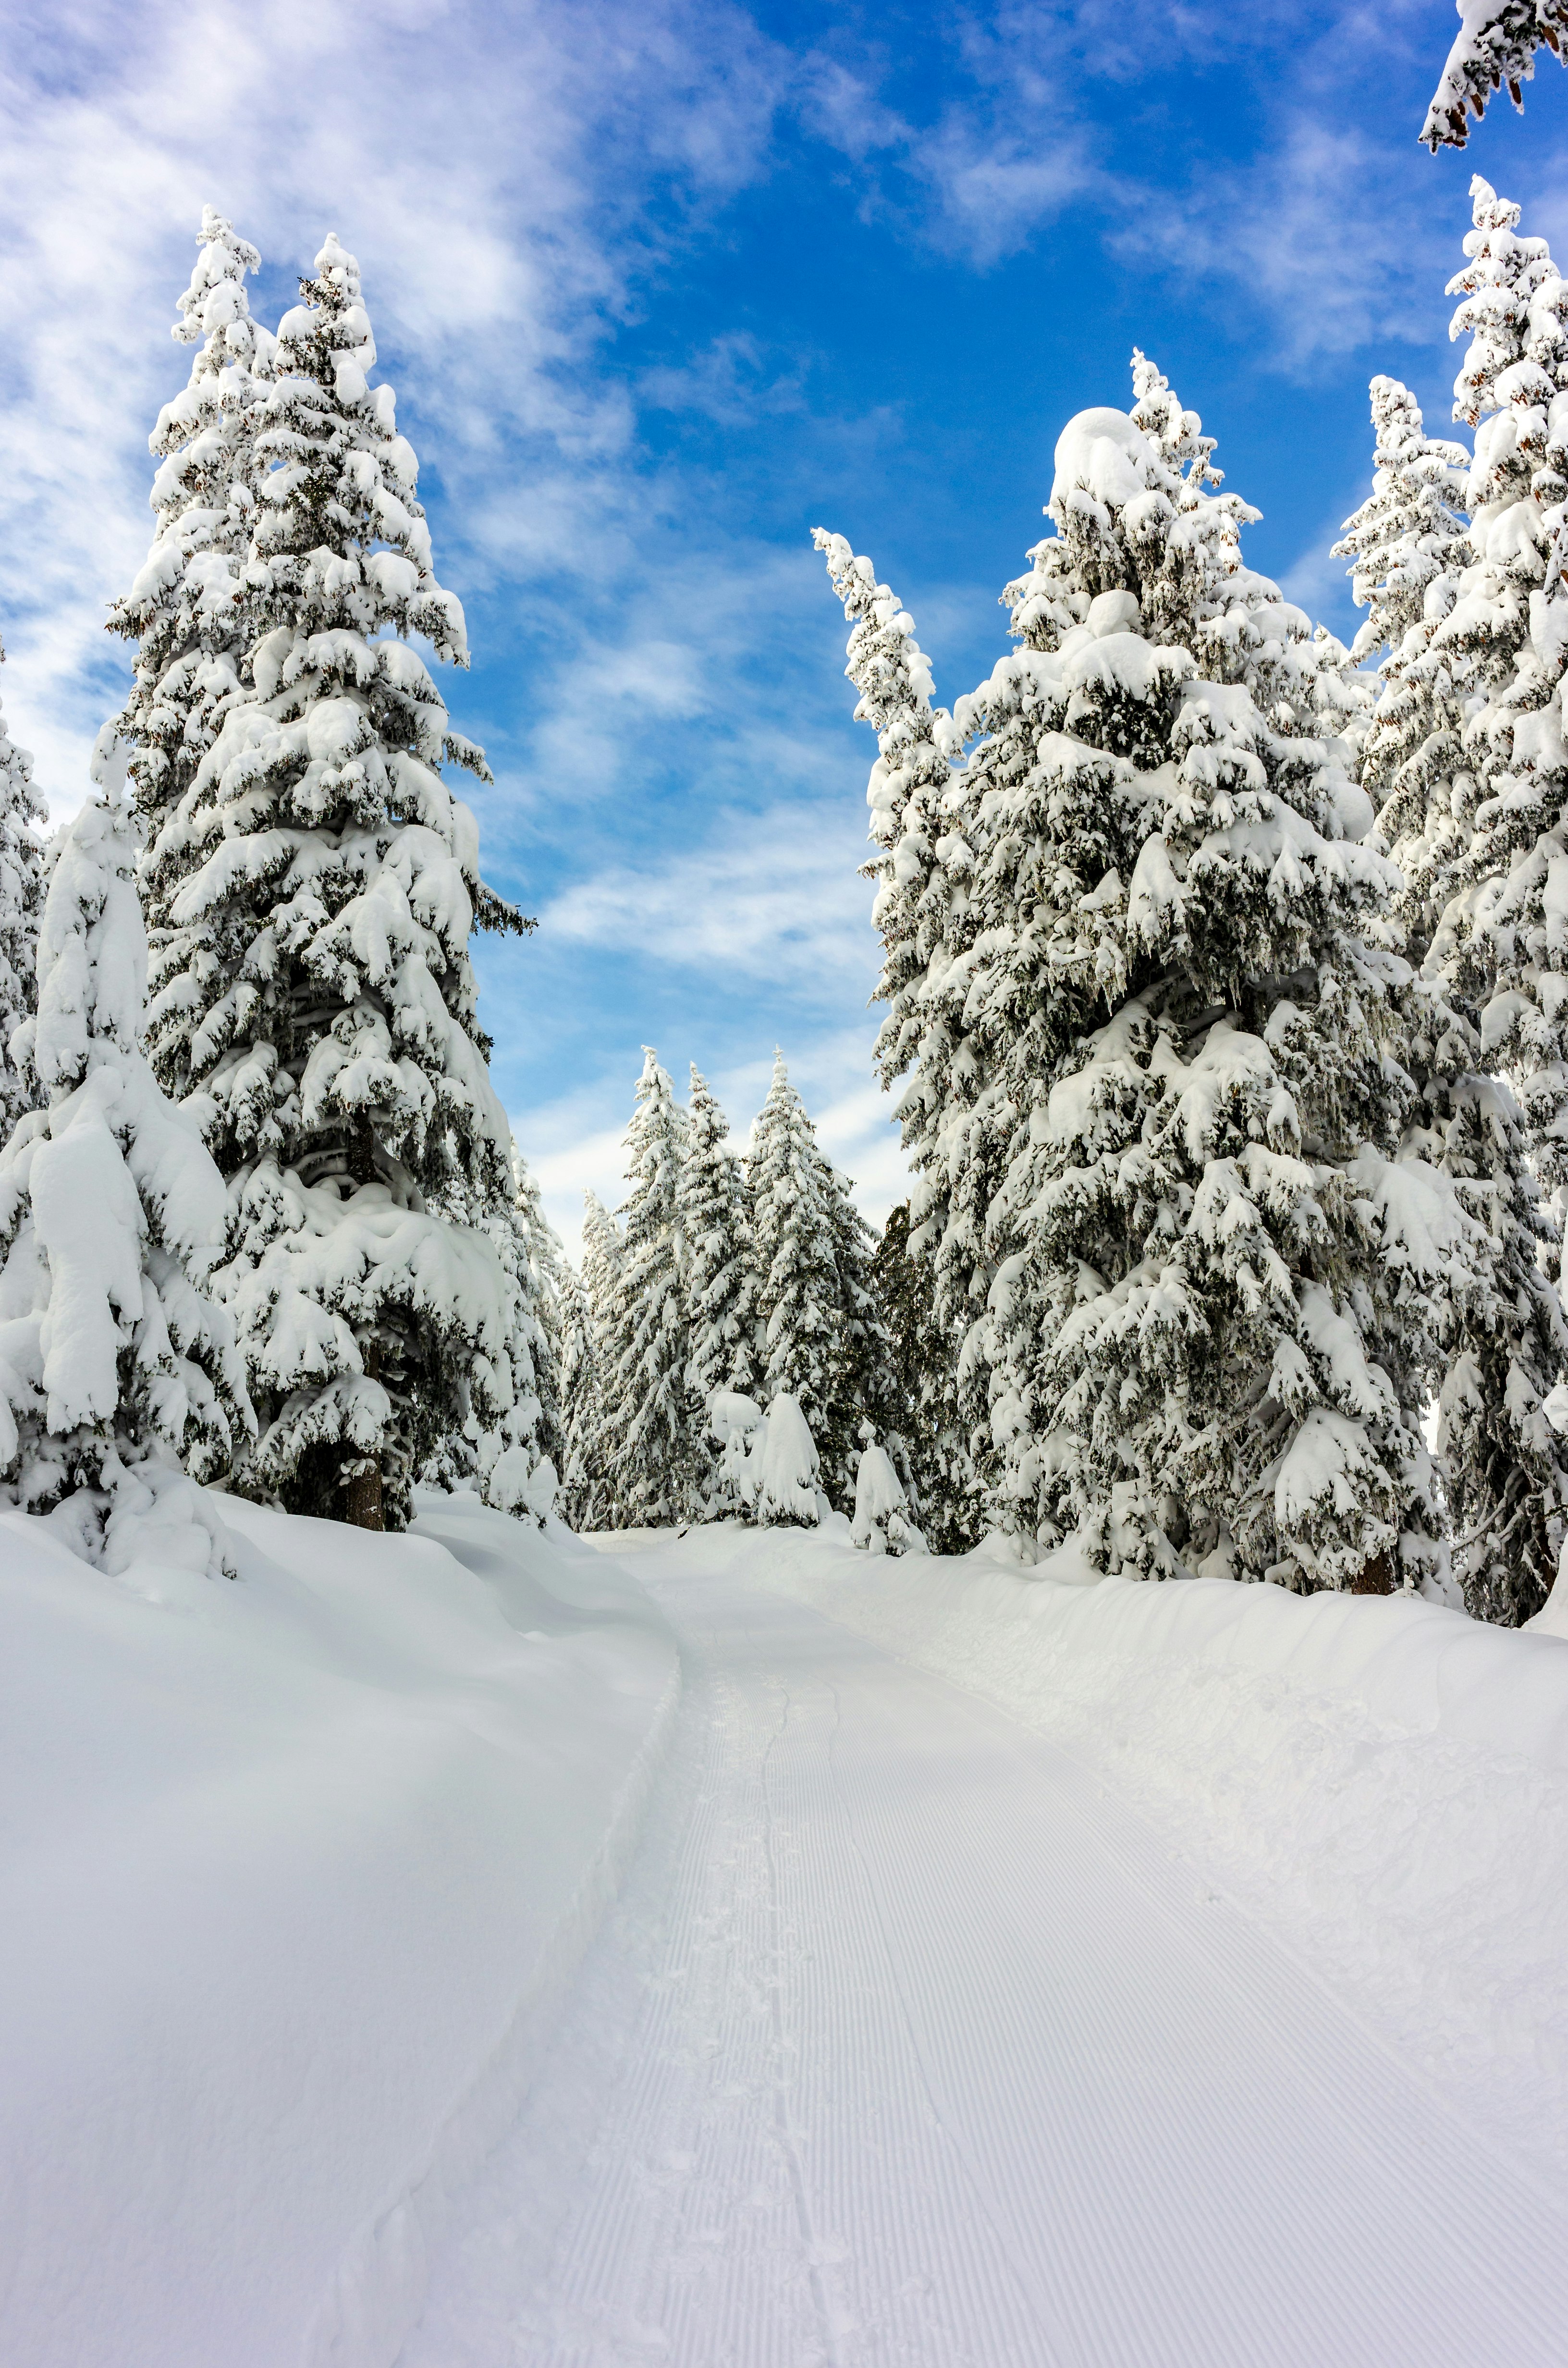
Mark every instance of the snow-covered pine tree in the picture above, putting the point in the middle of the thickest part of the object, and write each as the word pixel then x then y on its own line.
pixel 864 1384
pixel 549 1275
pixel 588 1493
pixel 1497 963
pixel 785 1455
pixel 187 611
pixel 115 1366
pixel 824 1339
pixel 721 1276
pixel 882 1522
pixel 21 907
pixel 650 1425
pixel 316 988
pixel 1210 1333
pixel 796 1251
pixel 941 1468
pixel 579 1499
pixel 722 1279
pixel 1407 545
pixel 924 824
pixel 1495 44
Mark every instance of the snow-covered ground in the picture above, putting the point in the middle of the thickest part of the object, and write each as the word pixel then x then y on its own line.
pixel 919 2037
pixel 1008 1975
pixel 295 1870
pixel 1382 1782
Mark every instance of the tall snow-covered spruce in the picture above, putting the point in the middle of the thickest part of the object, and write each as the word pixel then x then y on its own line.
pixel 941 1470
pixel 1208 1329
pixel 650 1428
pixel 931 1047
pixel 824 1340
pixel 115 1366
pixel 314 988
pixel 1491 854
pixel 21 907
pixel 588 1492
pixel 722 1280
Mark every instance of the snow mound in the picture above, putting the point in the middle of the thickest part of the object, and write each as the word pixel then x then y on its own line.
pixel 296 1869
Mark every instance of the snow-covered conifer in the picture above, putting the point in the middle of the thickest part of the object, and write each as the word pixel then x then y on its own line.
pixel 21 907
pixel 864 1380
pixel 722 1280
pixel 882 1522
pixel 1209 1330
pixel 549 1275
pixel 651 1427
pixel 923 1362
pixel 315 986
pixel 1497 963
pixel 785 1487
pixel 932 1045
pixel 188 610
pixel 721 1277
pixel 588 1493
pixel 735 1424
pixel 796 1251
pixel 1408 545
pixel 1214 1328
pixel 115 1366
pixel 578 1499
pixel 1495 44
pixel 824 1336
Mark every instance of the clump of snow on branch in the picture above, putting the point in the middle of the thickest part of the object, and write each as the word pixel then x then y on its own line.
pixel 1494 47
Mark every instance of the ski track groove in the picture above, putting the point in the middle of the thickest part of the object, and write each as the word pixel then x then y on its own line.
pixel 911 2046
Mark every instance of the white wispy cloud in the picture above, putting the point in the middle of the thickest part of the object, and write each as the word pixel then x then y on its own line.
pixel 773 896
pixel 492 173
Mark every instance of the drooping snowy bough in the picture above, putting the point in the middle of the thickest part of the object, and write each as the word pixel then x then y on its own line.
pixel 116 1368
pixel 1495 45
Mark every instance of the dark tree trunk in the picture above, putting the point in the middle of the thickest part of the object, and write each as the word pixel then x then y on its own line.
pixel 362 1481
pixel 1374 1577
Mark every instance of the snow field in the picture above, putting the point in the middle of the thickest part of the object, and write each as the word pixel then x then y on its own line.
pixel 1382 1782
pixel 912 2043
pixel 296 1871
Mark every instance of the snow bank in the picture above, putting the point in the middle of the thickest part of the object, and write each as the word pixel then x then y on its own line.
pixel 295 1869
pixel 1381 1779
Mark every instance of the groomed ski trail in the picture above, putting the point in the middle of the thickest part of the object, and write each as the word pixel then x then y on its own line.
pixel 909 2046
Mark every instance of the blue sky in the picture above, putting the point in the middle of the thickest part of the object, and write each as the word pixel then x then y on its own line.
pixel 662 287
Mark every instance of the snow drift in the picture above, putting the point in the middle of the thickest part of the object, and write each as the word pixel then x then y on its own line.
pixel 296 1869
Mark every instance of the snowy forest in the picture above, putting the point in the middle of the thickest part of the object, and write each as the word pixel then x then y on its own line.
pixel 945 1739
pixel 1224 989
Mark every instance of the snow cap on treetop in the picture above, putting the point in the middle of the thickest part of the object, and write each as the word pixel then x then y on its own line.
pixel 216 292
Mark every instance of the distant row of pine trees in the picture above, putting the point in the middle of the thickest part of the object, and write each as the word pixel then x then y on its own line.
pixel 753 1275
